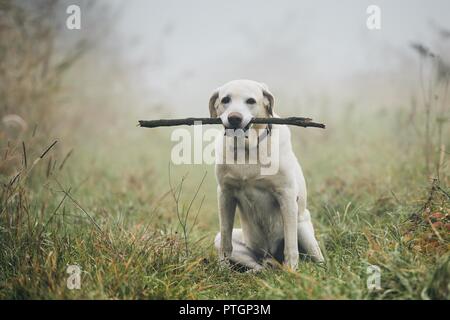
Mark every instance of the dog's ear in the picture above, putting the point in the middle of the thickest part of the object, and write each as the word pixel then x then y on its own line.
pixel 212 104
pixel 268 99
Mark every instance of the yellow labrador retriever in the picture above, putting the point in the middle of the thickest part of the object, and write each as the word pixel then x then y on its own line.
pixel 274 218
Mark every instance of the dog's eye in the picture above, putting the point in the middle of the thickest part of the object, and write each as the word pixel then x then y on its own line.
pixel 250 101
pixel 226 100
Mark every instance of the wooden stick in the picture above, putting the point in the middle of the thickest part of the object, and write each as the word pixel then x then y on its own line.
pixel 294 121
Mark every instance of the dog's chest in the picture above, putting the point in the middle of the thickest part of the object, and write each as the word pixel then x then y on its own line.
pixel 255 197
pixel 258 207
pixel 249 186
pixel 255 203
pixel 242 175
pixel 260 217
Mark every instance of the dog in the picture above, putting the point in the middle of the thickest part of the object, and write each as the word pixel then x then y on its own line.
pixel 275 221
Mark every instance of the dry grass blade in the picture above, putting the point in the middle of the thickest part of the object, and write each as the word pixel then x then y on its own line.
pixel 54 213
pixel 24 150
pixel 48 149
pixel 65 159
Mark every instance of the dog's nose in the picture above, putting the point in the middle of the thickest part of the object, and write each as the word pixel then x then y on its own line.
pixel 235 119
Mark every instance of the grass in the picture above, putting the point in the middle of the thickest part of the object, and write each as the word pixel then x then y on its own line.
pixel 101 198
pixel 110 211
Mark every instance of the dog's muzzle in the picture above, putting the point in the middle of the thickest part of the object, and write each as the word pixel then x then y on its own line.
pixel 235 120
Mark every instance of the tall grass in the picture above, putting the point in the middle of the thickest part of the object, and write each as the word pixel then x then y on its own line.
pixel 138 231
pixel 119 224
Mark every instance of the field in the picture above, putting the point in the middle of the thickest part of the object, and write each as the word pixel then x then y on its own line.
pixel 117 220
pixel 109 201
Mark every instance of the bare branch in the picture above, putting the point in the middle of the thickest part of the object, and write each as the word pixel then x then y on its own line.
pixel 294 121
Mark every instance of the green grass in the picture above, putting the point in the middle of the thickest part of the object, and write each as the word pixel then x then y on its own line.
pixel 367 192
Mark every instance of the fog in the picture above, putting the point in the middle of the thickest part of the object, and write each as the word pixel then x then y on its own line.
pixel 306 51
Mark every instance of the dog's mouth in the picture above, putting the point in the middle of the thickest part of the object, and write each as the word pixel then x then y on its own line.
pixel 239 128
pixel 232 130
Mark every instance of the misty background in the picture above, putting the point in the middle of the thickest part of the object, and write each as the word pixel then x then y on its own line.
pixel 309 53
pixel 82 184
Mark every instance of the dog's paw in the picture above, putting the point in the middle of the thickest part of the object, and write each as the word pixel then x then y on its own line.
pixel 318 259
pixel 291 260
pixel 225 253
pixel 225 263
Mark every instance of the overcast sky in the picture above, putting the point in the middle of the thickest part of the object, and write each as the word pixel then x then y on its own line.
pixel 296 47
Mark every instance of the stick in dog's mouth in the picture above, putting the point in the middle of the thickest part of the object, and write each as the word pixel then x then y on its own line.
pixel 294 121
pixel 245 129
pixel 231 132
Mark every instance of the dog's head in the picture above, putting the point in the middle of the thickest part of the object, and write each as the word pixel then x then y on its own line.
pixel 238 101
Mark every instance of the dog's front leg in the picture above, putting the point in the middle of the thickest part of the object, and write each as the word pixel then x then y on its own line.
pixel 289 212
pixel 227 209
